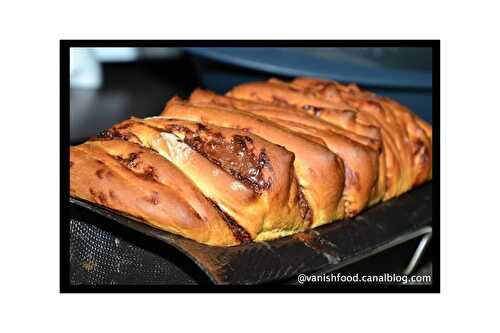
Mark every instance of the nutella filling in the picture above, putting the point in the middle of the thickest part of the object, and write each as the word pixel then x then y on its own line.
pixel 116 134
pixel 235 156
pixel 305 210
pixel 134 163
pixel 131 161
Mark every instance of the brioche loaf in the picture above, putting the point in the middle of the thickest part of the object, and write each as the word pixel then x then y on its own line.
pixel 266 160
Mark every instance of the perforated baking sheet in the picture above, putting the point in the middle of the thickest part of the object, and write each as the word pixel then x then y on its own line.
pixel 320 250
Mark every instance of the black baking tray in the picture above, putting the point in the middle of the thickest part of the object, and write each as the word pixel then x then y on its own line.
pixel 323 249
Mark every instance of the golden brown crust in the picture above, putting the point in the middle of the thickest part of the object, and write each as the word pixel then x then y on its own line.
pixel 361 168
pixel 419 134
pixel 361 162
pixel 406 147
pixel 285 113
pixel 365 164
pixel 299 97
pixel 319 171
pixel 250 179
pixel 281 94
pixel 395 138
pixel 125 177
pixel 411 135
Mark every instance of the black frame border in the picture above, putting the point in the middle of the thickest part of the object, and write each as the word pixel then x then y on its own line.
pixel 64 282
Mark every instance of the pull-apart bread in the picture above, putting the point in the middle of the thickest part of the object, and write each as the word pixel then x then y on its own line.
pixel 266 160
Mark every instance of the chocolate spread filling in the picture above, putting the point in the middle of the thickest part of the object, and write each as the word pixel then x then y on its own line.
pixel 235 156
pixel 305 210
pixel 239 233
pixel 109 134
pixel 114 134
pixel 131 161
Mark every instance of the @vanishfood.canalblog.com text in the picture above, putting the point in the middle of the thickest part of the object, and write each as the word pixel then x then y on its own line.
pixel 385 278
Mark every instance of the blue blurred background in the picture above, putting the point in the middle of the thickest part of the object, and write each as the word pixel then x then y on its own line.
pixel 111 84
